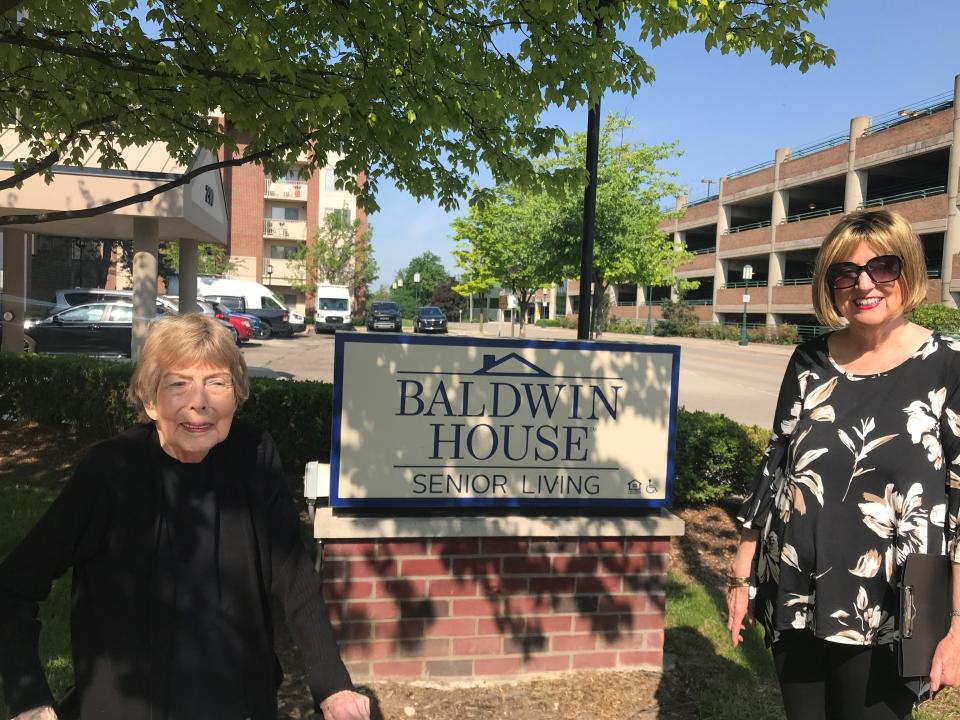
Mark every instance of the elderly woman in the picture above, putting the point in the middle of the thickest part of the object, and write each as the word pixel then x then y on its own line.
pixel 178 533
pixel 862 470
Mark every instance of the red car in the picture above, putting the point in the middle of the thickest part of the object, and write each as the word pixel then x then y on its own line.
pixel 243 326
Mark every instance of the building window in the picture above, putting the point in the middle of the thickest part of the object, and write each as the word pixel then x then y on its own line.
pixel 345 211
pixel 330 180
pixel 289 299
pixel 285 213
pixel 627 294
pixel 282 252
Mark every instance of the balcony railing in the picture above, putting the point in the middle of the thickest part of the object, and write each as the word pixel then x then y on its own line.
pixel 795 281
pixel 701 301
pixel 817 147
pixel 813 214
pixel 703 200
pixel 902 197
pixel 921 109
pixel 749 226
pixel 934 273
pixel 704 251
pixel 285 229
pixel 744 284
pixel 285 190
pixel 751 169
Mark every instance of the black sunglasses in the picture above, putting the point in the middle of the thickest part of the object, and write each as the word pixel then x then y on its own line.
pixel 881 269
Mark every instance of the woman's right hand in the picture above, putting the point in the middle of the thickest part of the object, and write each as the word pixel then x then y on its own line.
pixel 738 596
pixel 738 599
pixel 40 713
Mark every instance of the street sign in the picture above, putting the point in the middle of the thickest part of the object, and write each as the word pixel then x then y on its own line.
pixel 746 298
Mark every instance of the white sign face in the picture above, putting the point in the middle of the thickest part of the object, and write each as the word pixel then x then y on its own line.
pixel 466 421
pixel 746 298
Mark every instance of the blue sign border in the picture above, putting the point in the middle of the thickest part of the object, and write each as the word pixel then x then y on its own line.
pixel 342 338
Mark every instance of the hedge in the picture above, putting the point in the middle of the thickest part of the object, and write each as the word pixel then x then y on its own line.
pixel 715 457
pixel 90 396
pixel 937 317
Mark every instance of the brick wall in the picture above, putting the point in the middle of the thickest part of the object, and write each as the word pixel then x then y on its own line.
pixel 243 191
pixel 745 182
pixel 921 128
pixel 793 295
pixel 755 237
pixel 935 207
pixel 704 211
pixel 815 161
pixel 478 607
pixel 807 229
pixel 699 262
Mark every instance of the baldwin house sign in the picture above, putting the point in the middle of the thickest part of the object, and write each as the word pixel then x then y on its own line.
pixel 479 422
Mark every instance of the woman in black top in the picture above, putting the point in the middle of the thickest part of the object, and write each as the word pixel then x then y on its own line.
pixel 863 469
pixel 178 532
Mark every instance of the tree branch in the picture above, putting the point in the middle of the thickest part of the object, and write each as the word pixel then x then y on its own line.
pixel 35 168
pixel 30 219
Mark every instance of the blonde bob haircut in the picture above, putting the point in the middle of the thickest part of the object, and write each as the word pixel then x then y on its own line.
pixel 185 341
pixel 887 233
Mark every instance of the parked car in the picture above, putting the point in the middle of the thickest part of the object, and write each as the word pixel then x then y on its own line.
pixel 83 296
pixel 384 315
pixel 100 329
pixel 429 319
pixel 252 321
pixel 272 320
pixel 243 326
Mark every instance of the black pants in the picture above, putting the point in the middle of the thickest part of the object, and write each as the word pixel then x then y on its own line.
pixel 821 680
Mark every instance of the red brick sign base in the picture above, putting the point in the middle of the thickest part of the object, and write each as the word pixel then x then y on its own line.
pixel 486 607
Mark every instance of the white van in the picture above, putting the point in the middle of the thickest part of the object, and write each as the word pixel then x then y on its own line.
pixel 333 308
pixel 258 300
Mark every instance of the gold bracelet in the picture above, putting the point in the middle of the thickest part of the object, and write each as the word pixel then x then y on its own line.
pixel 736 581
pixel 955 613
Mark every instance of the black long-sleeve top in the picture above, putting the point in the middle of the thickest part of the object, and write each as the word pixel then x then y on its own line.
pixel 139 608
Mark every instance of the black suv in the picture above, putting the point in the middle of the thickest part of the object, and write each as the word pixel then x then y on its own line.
pixel 429 319
pixel 384 315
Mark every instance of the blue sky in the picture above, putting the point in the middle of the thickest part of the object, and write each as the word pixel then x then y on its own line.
pixel 731 112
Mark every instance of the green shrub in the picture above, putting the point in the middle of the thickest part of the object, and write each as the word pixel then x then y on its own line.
pixel 938 317
pixel 716 457
pixel 570 324
pixel 676 318
pixel 90 396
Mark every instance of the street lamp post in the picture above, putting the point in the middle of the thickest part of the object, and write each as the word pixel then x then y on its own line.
pixel 649 310
pixel 269 273
pixel 710 182
pixel 747 275
pixel 416 283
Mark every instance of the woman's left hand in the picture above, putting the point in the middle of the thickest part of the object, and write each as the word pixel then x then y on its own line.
pixel 346 705
pixel 945 669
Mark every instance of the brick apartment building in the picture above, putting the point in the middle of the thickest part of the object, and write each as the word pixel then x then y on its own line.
pixel 774 216
pixel 268 217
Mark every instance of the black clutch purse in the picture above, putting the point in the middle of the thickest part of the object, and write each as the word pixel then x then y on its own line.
pixel 925 592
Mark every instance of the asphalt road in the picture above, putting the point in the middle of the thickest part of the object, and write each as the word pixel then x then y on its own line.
pixel 717 376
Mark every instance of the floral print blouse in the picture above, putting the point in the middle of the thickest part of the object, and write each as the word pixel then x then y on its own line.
pixel 861 471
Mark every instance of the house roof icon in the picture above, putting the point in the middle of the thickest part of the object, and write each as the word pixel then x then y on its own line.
pixel 510 364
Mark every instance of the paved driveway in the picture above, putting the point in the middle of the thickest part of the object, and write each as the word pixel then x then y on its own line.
pixel 716 376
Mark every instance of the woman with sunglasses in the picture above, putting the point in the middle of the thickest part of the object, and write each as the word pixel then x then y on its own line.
pixel 863 469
